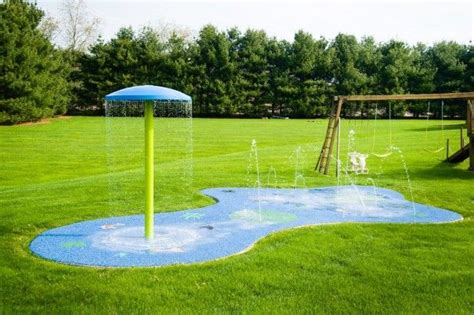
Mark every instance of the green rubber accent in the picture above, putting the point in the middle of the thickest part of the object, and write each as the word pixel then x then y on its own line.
pixel 263 216
pixel 73 244
pixel 149 171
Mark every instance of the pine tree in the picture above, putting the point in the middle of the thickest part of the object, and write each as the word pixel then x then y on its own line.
pixel 213 78
pixel 254 73
pixel 309 71
pixel 32 77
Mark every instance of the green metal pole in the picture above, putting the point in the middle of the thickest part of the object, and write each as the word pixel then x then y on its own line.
pixel 149 171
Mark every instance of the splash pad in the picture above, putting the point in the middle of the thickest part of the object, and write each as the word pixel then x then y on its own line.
pixel 240 218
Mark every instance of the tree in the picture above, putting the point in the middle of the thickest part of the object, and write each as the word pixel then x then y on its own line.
pixel 230 73
pixel 420 78
pixel 112 66
pixel 79 27
pixel 252 66
pixel 281 89
pixel 369 62
pixel 468 60
pixel 348 78
pixel 95 77
pixel 397 66
pixel 132 58
pixel 49 26
pixel 32 77
pixel 176 63
pixel 214 71
pixel 447 58
pixel 451 64
pixel 309 73
pixel 75 29
pixel 165 30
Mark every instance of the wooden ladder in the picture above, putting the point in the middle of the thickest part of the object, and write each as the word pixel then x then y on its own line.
pixel 322 165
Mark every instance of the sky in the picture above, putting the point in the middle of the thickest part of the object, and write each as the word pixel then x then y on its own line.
pixel 410 21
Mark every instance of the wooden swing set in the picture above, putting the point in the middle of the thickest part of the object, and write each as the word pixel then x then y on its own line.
pixel 323 162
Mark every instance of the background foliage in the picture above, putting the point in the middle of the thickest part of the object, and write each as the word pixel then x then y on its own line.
pixel 33 73
pixel 228 73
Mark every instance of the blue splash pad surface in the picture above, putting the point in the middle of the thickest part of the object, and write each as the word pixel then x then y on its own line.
pixel 241 217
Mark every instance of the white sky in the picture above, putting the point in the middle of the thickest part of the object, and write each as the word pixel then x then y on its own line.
pixel 411 21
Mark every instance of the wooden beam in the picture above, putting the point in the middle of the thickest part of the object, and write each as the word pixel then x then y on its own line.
pixel 403 97
pixel 471 152
pixel 470 131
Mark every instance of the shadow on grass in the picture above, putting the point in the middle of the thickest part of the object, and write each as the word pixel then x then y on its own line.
pixel 439 127
pixel 443 170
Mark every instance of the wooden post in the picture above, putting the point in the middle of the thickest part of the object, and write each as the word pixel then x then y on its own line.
pixel 406 97
pixel 447 149
pixel 470 131
pixel 338 146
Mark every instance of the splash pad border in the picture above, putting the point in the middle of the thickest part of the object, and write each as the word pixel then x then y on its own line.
pixel 229 227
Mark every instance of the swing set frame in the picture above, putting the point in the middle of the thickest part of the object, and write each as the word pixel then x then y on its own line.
pixel 323 162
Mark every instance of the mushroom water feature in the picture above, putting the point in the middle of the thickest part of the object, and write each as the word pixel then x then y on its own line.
pixel 146 97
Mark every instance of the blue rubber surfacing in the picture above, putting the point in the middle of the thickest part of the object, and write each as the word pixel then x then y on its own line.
pixel 240 218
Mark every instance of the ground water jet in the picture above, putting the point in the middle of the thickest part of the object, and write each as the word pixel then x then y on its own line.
pixel 405 168
pixel 299 177
pixel 258 184
pixel 272 175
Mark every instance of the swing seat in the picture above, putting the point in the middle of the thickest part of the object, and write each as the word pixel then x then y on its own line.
pixel 358 163
pixel 382 156
pixel 435 151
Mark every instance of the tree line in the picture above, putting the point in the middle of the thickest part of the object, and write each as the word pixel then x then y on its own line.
pixel 228 73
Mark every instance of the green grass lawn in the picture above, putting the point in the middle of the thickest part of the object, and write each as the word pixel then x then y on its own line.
pixel 71 170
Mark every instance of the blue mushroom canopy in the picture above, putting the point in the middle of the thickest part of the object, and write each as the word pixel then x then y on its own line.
pixel 148 93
